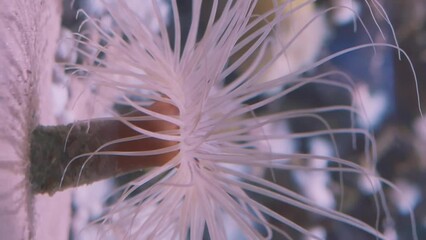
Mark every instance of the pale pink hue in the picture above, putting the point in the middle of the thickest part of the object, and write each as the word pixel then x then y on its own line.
pixel 200 187
pixel 29 33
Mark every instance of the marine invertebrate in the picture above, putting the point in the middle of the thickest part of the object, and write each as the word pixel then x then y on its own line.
pixel 221 124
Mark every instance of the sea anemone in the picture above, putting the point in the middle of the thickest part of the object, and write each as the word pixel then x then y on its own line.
pixel 216 75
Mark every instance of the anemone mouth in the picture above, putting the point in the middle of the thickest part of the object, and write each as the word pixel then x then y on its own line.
pixel 223 119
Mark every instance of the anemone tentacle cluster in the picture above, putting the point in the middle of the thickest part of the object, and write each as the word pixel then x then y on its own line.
pixel 214 75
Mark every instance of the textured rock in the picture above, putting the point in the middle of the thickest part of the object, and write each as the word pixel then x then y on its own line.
pixel 29 33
